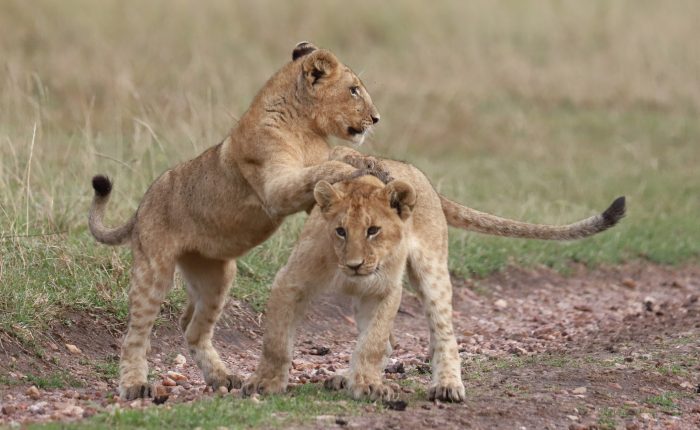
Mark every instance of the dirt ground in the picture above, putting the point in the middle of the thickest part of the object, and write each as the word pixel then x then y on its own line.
pixel 617 347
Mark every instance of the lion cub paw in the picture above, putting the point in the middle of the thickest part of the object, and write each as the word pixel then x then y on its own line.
pixel 228 380
pixel 136 391
pixel 374 391
pixel 453 392
pixel 264 385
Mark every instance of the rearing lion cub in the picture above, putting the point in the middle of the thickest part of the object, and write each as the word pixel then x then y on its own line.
pixel 377 232
pixel 204 213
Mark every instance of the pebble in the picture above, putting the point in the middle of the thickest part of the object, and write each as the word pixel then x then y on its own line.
pixel 33 393
pixel 38 408
pixel 169 382
pixel 73 411
pixel 73 349
pixel 179 360
pixel 629 283
pixel 222 390
pixel 646 416
pixel 175 376
pixel 9 409
pixel 501 304
pixel 579 390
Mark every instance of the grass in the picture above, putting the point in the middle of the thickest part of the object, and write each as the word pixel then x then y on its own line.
pixel 54 380
pixel 302 405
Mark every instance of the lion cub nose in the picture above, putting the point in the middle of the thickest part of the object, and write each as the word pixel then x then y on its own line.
pixel 375 118
pixel 354 265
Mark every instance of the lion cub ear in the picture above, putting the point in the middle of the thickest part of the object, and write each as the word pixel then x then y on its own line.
pixel 318 65
pixel 325 195
pixel 302 49
pixel 402 197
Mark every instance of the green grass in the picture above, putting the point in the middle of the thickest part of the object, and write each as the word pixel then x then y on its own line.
pixel 54 380
pixel 666 402
pixel 301 405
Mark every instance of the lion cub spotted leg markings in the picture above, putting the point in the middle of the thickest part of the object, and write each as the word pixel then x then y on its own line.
pixel 151 278
pixel 208 282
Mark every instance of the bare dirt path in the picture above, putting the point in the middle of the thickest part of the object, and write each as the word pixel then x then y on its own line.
pixel 612 348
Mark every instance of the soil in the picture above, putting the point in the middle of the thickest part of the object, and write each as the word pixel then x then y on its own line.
pixel 615 347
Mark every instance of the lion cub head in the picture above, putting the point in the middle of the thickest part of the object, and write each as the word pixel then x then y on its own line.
pixel 366 221
pixel 340 105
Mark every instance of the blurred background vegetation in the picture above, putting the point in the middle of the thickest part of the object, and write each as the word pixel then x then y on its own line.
pixel 538 110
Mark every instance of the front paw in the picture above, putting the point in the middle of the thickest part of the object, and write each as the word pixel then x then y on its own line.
pixel 448 392
pixel 136 391
pixel 336 382
pixel 257 384
pixel 228 380
pixel 374 391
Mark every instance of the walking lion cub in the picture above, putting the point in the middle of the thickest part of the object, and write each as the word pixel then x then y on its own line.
pixel 359 240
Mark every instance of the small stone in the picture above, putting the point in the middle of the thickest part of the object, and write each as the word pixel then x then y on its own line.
pixel 255 399
pixel 572 417
pixel 73 411
pixel 395 368
pixel 38 408
pixel 501 304
pixel 169 382
pixel 175 376
pixel 33 393
pixel 646 416
pixel 179 360
pixel 632 426
pixel 222 390
pixel 629 283
pixel 136 403
pixel 73 349
pixel 516 350
pixel 579 390
pixel 9 409
pixel 649 304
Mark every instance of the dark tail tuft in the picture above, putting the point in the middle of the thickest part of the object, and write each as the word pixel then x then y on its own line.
pixel 102 185
pixel 615 212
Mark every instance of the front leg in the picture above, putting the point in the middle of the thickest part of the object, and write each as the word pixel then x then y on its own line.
pixel 289 297
pixel 375 318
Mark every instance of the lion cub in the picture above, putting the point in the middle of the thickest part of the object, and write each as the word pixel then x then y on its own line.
pixel 355 241
pixel 376 232
pixel 204 213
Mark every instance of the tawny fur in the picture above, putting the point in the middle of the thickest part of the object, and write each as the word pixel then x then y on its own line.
pixel 204 213
pixel 413 236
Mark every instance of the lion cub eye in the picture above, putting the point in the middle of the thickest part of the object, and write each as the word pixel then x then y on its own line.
pixel 355 90
pixel 340 231
pixel 372 231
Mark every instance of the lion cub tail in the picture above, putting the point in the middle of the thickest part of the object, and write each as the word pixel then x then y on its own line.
pixel 470 219
pixel 110 236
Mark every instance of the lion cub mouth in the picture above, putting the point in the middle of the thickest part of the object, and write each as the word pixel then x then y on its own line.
pixel 352 131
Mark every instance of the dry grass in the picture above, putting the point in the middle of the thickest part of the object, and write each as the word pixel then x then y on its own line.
pixel 538 110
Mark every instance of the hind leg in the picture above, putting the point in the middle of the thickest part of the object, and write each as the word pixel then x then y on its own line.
pixel 208 282
pixel 430 276
pixel 150 281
